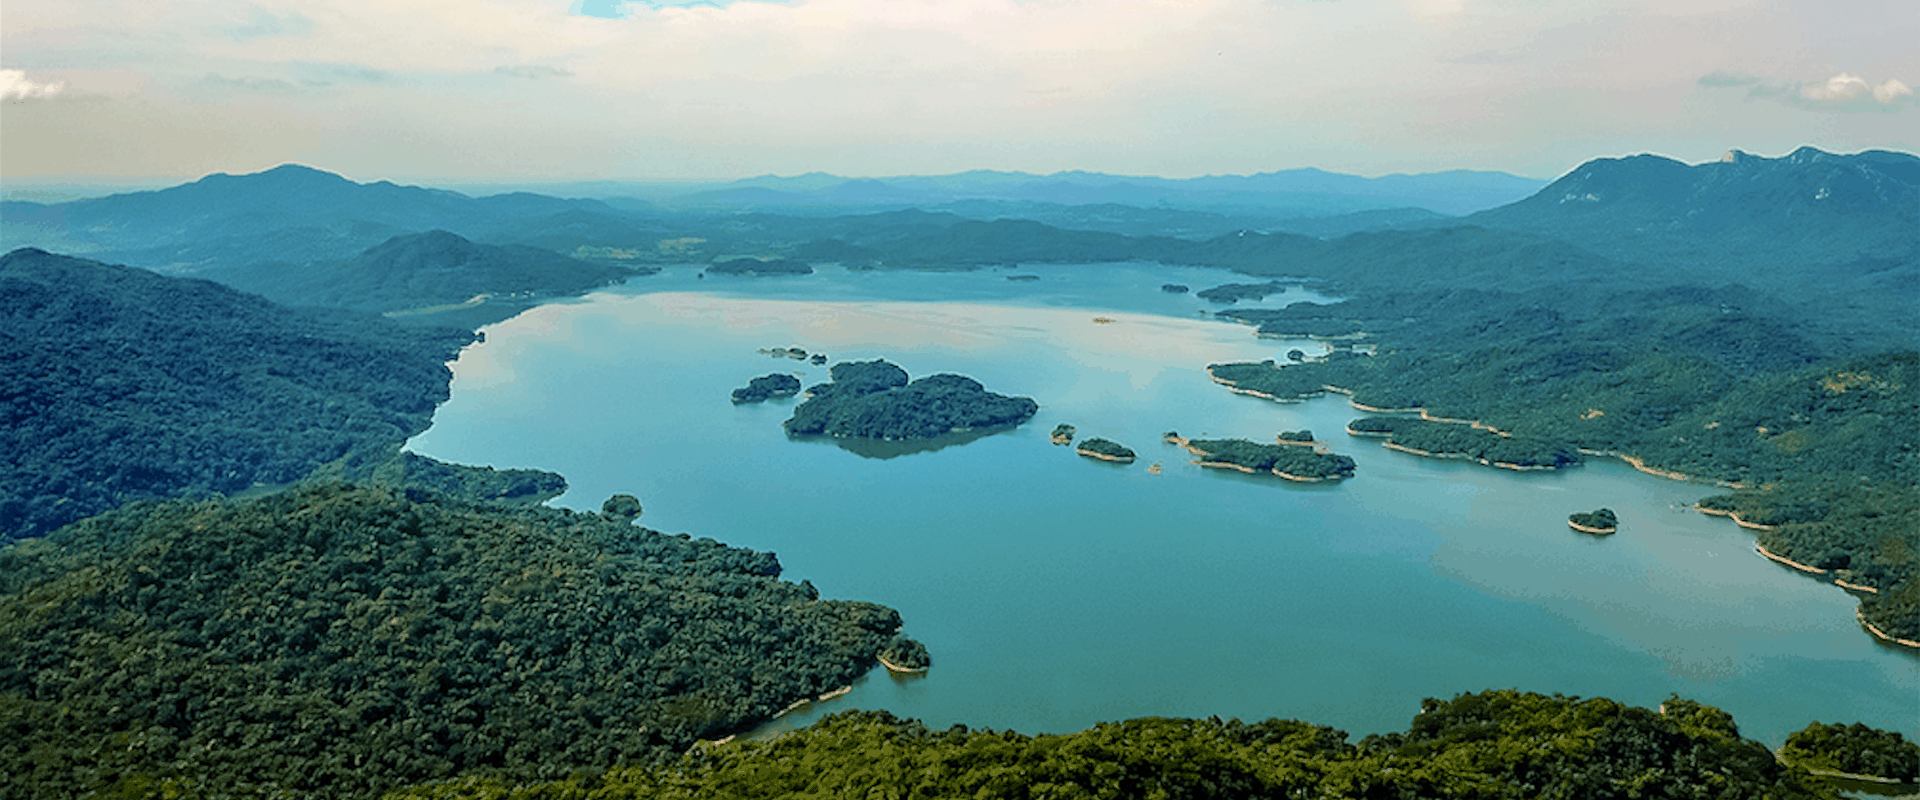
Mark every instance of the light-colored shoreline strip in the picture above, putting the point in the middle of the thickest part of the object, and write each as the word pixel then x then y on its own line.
pixel 896 667
pixel 1587 529
pixel 1880 634
pixel 1789 562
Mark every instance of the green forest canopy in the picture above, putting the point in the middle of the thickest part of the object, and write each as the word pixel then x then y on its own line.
pixel 336 641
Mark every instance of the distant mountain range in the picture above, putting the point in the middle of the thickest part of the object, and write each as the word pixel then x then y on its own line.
pixel 301 235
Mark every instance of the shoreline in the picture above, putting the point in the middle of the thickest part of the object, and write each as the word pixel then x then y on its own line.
pixel 1762 550
pixel 1880 634
pixel 1584 529
pixel 1104 456
pixel 892 667
pixel 1466 457
pixel 1832 773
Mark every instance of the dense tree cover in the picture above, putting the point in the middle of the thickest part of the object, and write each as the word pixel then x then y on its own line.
pixel 1498 745
pixel 767 387
pixel 1854 749
pixel 1432 437
pixel 872 399
pixel 335 641
pixel 1865 532
pixel 1303 435
pixel 1602 520
pixel 421 269
pixel 1062 434
pixel 1105 449
pixel 756 266
pixel 117 384
pixel 1296 462
pixel 906 653
pixel 1235 292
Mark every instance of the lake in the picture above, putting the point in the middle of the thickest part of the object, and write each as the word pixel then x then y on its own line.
pixel 1056 591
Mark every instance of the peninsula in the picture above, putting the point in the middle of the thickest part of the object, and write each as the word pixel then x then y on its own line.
pixel 767 387
pixel 1290 462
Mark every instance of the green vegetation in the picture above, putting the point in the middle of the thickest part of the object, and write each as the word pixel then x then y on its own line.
pixel 1500 745
pixel 1865 532
pixel 123 385
pixel 1235 292
pixel 906 653
pixel 1828 446
pixel 872 399
pixel 758 266
pixel 1174 288
pixel 1854 750
pixel 334 641
pixel 767 387
pixel 418 270
pixel 1062 434
pixel 1452 439
pixel 1295 436
pixel 1299 463
pixel 1599 521
pixel 1105 450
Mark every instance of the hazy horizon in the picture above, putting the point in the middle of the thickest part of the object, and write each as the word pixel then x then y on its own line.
pixel 521 91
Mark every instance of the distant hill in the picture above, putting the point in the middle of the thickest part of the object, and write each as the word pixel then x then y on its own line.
pixel 421 269
pixel 120 385
pixel 295 215
pixel 1743 217
pixel 1273 195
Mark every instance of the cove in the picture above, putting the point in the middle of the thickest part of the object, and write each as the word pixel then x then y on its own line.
pixel 1055 591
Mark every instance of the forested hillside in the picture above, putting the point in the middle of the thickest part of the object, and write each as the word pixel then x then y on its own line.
pixel 422 269
pixel 117 384
pixel 1499 745
pixel 336 642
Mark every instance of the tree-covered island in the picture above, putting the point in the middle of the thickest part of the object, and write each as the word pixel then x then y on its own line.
pixel 1299 437
pixel 902 654
pixel 1290 462
pixel 874 399
pixel 1105 450
pixel 767 387
pixel 1062 434
pixel 1475 443
pixel 1599 521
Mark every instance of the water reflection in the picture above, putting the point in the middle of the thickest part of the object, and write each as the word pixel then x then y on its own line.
pixel 895 448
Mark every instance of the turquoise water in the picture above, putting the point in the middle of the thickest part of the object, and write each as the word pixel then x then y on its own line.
pixel 1056 592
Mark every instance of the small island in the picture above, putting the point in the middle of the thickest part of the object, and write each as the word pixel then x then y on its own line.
pixel 1062 434
pixel 767 387
pixel 755 266
pixel 1235 292
pixel 1300 438
pixel 1105 451
pixel 905 655
pixel 874 400
pixel 1293 463
pixel 1174 288
pixel 1023 278
pixel 1601 521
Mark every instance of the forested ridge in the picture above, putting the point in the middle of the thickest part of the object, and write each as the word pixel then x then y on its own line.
pixel 338 641
pixel 117 384
pixel 1497 745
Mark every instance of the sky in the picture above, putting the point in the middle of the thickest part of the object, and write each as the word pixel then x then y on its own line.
pixel 445 92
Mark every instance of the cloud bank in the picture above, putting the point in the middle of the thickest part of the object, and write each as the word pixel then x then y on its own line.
pixel 1843 92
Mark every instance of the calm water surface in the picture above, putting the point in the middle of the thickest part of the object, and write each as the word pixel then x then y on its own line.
pixel 1056 591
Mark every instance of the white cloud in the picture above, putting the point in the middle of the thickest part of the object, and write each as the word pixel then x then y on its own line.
pixel 14 86
pixel 1844 92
